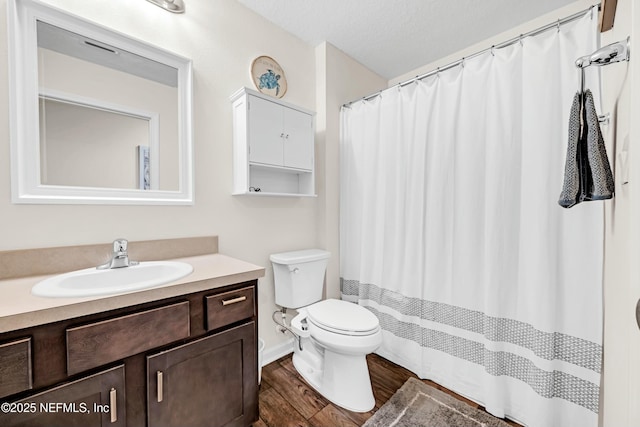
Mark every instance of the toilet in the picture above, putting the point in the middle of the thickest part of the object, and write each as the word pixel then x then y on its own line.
pixel 334 336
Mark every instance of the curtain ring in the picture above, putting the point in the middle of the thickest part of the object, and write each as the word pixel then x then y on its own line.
pixel 462 62
pixel 558 25
pixel 520 39
pixel 493 53
pixel 438 72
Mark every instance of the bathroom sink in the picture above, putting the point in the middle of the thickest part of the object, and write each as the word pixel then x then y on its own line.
pixel 92 282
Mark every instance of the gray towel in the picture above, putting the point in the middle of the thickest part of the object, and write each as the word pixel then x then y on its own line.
pixel 602 185
pixel 587 174
pixel 571 188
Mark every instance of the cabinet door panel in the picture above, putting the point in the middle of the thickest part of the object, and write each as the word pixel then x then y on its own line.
pixel 15 367
pixel 298 141
pixel 265 130
pixel 95 401
pixel 211 381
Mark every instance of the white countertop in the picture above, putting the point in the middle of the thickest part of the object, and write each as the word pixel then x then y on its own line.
pixel 20 309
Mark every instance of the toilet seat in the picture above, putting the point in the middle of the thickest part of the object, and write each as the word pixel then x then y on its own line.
pixel 342 317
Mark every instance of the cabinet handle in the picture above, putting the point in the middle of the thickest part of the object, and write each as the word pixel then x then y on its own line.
pixel 282 135
pixel 286 136
pixel 113 405
pixel 233 300
pixel 159 375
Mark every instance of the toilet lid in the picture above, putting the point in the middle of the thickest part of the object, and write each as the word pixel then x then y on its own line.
pixel 343 317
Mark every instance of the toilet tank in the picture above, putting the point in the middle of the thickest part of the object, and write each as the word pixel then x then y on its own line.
pixel 298 276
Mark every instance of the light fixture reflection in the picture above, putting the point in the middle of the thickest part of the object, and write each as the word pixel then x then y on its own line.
pixel 175 6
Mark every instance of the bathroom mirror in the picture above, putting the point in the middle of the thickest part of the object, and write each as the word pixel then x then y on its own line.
pixel 97 117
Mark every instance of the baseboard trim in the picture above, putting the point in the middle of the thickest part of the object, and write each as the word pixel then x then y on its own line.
pixel 274 353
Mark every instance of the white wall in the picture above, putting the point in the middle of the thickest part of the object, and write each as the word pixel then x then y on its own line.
pixel 621 88
pixel 621 98
pixel 631 383
pixel 616 101
pixel 222 37
pixel 340 79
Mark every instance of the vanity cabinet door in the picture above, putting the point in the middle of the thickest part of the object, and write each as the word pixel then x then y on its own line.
pixel 94 401
pixel 208 382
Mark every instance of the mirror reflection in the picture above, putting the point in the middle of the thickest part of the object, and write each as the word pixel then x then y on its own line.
pixel 85 146
pixel 108 118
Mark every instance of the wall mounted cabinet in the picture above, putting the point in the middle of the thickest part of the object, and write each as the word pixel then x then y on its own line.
pixel 273 146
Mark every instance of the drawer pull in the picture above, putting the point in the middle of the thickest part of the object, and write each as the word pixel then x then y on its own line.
pixel 159 375
pixel 233 300
pixel 113 405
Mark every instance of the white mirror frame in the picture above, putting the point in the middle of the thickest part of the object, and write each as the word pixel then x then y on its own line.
pixel 24 125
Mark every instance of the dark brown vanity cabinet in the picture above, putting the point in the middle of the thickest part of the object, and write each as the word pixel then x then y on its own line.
pixel 184 361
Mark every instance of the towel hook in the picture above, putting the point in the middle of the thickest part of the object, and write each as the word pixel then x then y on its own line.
pixel 612 53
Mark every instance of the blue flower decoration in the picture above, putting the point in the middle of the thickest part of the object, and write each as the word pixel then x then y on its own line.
pixel 269 80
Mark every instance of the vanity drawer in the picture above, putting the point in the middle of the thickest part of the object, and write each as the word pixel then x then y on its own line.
pixel 15 367
pixel 228 307
pixel 96 344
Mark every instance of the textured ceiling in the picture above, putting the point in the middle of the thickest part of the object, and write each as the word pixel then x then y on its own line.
pixel 394 37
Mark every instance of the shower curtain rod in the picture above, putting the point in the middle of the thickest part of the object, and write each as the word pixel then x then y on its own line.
pixel 514 40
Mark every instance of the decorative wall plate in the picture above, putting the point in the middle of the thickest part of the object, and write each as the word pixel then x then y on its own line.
pixel 268 76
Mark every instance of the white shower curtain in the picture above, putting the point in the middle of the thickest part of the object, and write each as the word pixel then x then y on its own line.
pixel 452 235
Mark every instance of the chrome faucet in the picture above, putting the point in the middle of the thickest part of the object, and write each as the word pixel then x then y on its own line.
pixel 120 257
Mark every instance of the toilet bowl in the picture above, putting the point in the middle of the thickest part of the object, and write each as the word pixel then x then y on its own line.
pixel 333 336
pixel 332 355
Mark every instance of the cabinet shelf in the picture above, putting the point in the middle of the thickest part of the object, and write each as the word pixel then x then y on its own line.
pixel 282 169
pixel 271 194
pixel 273 146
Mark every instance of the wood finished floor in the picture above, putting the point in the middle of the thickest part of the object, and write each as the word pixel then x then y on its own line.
pixel 286 400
